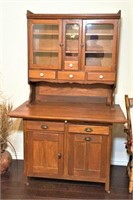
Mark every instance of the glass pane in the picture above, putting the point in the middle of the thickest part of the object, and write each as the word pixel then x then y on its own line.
pixel 45 44
pixel 72 40
pixel 46 58
pixel 98 46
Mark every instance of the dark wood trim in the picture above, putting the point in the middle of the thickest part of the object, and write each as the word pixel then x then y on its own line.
pixel 31 15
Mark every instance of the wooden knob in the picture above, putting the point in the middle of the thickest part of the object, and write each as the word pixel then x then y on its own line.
pixel 59 155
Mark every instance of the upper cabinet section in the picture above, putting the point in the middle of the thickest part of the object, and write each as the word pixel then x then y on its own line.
pixel 75 48
pixel 44 44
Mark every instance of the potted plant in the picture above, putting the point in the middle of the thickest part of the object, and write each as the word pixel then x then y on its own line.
pixel 6 128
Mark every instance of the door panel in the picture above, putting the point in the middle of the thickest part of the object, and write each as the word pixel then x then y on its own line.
pixel 44 44
pixel 99 45
pixel 43 151
pixel 71 44
pixel 85 155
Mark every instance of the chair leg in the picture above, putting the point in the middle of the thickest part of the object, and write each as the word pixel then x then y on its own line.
pixel 129 165
pixel 131 176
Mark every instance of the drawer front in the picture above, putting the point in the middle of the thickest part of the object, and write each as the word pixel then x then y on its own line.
pixel 71 76
pixel 42 74
pixel 71 65
pixel 101 76
pixel 89 138
pixel 44 125
pixel 89 129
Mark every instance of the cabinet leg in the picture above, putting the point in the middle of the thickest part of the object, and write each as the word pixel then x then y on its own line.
pixel 131 178
pixel 107 187
pixel 26 181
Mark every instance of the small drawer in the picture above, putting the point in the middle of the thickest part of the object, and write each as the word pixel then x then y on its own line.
pixel 89 129
pixel 42 74
pixel 71 65
pixel 71 76
pixel 44 125
pixel 93 76
pixel 89 138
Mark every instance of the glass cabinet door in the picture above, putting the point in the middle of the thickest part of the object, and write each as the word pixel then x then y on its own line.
pixel 45 45
pixel 99 45
pixel 71 44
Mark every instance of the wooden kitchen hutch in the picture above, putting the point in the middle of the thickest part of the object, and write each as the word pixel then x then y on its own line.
pixel 72 73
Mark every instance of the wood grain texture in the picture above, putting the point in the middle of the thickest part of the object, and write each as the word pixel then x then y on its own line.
pixel 98 113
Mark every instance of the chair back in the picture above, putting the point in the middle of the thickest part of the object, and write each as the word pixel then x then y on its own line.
pixel 128 128
pixel 129 105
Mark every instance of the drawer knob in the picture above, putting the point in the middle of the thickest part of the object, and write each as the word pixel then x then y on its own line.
pixel 70 75
pixel 44 126
pixel 88 139
pixel 101 76
pixel 70 65
pixel 41 74
pixel 61 44
pixel 88 130
pixel 82 45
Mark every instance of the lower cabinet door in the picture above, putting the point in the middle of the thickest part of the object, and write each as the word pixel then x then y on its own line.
pixel 44 154
pixel 88 156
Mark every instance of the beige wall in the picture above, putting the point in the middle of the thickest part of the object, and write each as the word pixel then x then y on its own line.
pixel 13 55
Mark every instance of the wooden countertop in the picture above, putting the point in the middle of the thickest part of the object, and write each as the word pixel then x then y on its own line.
pixel 87 112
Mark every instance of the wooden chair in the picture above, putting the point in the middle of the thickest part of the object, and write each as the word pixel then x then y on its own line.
pixel 129 143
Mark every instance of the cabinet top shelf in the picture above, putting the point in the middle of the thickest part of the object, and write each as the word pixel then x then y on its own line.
pixel 31 15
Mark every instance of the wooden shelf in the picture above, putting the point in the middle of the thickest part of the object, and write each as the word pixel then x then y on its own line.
pixel 69 34
pixel 45 33
pixel 87 112
pixel 99 34
pixel 45 50
pixel 72 51
pixel 97 51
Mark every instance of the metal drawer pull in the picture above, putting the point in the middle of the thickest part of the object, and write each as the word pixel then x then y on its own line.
pixel 88 139
pixel 41 74
pixel 88 129
pixel 44 126
pixel 59 155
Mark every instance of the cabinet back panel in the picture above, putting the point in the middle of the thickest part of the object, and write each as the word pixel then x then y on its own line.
pixel 73 92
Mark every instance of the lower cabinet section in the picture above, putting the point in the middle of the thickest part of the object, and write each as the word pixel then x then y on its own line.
pixel 67 151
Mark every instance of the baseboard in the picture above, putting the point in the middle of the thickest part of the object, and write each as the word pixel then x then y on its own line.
pixel 19 156
pixel 119 162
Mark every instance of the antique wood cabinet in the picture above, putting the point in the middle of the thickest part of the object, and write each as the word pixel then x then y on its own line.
pixel 72 73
